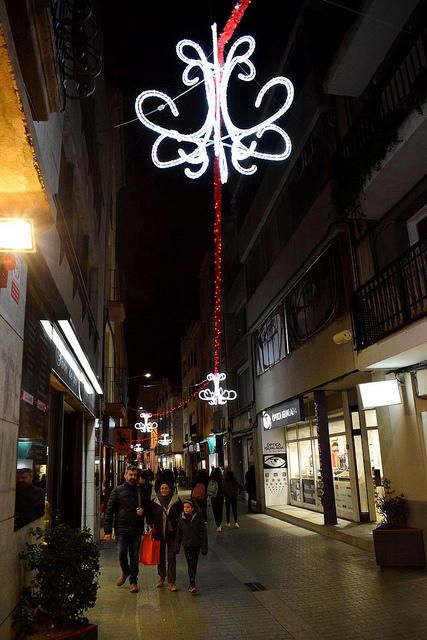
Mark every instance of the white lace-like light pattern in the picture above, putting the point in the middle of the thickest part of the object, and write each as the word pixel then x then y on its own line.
pixel 218 128
pixel 218 395
pixel 145 426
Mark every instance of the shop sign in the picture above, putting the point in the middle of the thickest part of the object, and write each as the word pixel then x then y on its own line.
pixel 284 414
pixel 273 443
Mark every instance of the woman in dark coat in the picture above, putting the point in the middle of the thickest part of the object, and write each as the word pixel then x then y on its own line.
pixel 217 500
pixel 166 510
pixel 250 486
pixel 232 489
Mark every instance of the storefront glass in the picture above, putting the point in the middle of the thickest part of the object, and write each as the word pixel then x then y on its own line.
pixel 349 444
pixel 303 460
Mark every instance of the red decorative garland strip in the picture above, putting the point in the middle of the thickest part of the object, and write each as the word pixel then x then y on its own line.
pixel 217 261
pixel 183 403
pixel 227 33
pixel 231 26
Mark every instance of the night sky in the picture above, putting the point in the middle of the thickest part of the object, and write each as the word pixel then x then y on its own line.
pixel 164 219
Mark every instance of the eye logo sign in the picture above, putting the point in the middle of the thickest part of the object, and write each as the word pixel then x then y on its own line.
pixel 274 462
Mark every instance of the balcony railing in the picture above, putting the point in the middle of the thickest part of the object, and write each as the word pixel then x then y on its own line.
pixel 397 89
pixel 78 50
pixel 393 298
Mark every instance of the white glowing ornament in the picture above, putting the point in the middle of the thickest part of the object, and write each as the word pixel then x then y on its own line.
pixel 146 426
pixel 218 395
pixel 164 439
pixel 138 448
pixel 243 143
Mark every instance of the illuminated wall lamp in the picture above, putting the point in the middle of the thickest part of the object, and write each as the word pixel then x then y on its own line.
pixel 379 394
pixel 17 235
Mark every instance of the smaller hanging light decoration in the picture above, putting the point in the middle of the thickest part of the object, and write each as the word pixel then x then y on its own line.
pixel 145 426
pixel 164 439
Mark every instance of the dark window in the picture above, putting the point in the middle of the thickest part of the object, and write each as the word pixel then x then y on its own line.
pixel 270 342
pixel 313 301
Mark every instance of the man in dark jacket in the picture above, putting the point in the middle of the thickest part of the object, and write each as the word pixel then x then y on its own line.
pixel 127 506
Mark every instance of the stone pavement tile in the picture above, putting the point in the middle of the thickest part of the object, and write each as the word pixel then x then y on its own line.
pixel 316 588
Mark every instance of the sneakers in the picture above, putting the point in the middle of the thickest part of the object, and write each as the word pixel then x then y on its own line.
pixel 172 586
pixel 133 588
pixel 160 583
pixel 237 526
pixel 122 579
pixel 227 524
pixel 192 588
pixel 219 529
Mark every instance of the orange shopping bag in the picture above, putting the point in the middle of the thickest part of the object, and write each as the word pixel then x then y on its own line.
pixel 150 550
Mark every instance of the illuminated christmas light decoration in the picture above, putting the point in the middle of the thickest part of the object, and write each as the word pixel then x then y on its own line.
pixel 218 395
pixel 164 439
pixel 138 448
pixel 243 143
pixel 145 426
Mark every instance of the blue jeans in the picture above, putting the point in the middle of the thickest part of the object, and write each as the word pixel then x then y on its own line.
pixel 129 545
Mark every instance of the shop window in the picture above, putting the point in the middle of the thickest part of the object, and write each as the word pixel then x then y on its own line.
pixel 32 455
pixel 307 472
pixel 291 434
pixel 294 473
pixel 336 426
pixel 371 418
pixel 341 473
pixel 304 431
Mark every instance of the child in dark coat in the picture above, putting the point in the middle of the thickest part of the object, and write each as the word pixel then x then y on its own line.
pixel 192 534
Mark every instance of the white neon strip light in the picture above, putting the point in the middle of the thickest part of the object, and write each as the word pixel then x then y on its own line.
pixel 244 142
pixel 65 352
pixel 72 339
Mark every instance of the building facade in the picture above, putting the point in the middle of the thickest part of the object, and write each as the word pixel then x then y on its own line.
pixel 57 170
pixel 325 272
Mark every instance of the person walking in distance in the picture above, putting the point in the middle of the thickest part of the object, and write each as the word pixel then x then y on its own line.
pixel 231 491
pixel 199 494
pixel 192 534
pixel 166 509
pixel 250 486
pixel 216 494
pixel 125 511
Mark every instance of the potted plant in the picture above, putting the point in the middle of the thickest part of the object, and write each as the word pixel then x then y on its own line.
pixel 396 544
pixel 65 566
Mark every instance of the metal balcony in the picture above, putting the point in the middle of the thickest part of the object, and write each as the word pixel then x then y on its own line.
pixel 388 132
pixel 78 46
pixel 392 299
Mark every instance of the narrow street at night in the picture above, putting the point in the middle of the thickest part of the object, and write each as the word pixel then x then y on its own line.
pixel 268 580
pixel 213 305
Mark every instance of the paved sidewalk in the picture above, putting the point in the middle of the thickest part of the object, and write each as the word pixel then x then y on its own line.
pixel 268 580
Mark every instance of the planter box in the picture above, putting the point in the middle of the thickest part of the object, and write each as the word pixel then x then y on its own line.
pixel 399 547
pixel 89 632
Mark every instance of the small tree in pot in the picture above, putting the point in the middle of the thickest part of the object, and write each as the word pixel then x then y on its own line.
pixel 65 565
pixel 396 544
pixel 393 508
